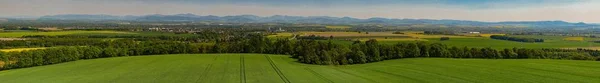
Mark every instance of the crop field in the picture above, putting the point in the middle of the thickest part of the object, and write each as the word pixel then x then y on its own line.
pixel 263 68
pixel 380 36
pixel 350 34
pixel 481 41
pixel 280 35
pixel 134 34
pixel 574 39
pixel 493 43
pixel 479 35
pixel 376 34
pixel 25 33
pixel 337 27
pixel 20 49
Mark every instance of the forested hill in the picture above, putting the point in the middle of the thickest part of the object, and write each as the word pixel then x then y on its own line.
pixel 309 19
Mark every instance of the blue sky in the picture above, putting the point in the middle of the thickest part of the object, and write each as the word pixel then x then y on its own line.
pixel 479 10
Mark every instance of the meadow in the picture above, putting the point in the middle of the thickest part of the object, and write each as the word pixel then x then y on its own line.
pixel 263 68
pixel 54 33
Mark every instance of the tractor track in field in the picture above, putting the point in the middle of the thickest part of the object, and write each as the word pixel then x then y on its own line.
pixel 242 70
pixel 227 63
pixel 207 69
pixel 393 74
pixel 318 75
pixel 370 80
pixel 281 75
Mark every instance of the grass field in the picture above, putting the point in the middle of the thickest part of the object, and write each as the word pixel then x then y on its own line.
pixel 259 68
pixel 24 33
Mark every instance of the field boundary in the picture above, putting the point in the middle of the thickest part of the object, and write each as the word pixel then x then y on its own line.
pixel 242 70
pixel 281 75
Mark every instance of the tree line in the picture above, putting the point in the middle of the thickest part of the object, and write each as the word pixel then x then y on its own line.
pixel 322 52
pixel 326 52
pixel 48 56
pixel 518 39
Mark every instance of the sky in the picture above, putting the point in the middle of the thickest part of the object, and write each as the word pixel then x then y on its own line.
pixel 478 10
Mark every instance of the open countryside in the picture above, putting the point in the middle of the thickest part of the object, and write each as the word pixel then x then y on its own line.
pixel 299 41
pixel 264 68
pixel 54 33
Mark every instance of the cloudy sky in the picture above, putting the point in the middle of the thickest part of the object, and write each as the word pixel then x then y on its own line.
pixel 479 10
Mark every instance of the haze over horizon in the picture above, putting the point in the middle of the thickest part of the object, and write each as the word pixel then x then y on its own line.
pixel 477 10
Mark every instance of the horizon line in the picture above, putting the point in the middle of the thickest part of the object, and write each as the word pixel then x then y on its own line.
pixel 37 17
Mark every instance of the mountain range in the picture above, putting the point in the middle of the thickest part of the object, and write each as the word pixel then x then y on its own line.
pixel 307 19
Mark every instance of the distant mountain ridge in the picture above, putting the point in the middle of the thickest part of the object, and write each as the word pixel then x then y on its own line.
pixel 308 19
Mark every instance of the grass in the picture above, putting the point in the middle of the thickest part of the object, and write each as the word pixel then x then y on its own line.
pixel 25 33
pixel 260 68
pixel 20 49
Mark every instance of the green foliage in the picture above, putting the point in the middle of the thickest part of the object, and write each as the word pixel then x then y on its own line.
pixel 306 51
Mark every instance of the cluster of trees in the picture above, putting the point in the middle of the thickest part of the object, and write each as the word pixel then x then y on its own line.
pixel 116 49
pixel 103 39
pixel 326 53
pixel 329 53
pixel 503 37
pixel 50 42
pixel 314 37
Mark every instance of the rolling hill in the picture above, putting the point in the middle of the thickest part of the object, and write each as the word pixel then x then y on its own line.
pixel 310 19
pixel 262 68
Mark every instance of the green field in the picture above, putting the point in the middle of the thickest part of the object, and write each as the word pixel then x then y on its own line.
pixel 260 68
pixel 480 42
pixel 493 43
pixel 25 33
